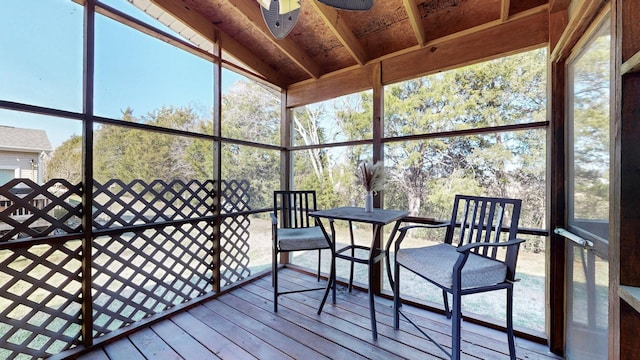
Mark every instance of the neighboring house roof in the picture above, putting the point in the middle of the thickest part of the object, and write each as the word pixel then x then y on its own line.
pixel 19 139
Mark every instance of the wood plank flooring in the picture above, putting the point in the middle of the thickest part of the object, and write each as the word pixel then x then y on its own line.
pixel 242 325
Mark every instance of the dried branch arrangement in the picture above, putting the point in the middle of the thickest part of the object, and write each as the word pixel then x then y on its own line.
pixel 371 175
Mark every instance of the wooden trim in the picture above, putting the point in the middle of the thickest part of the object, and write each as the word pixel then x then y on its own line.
pixel 329 87
pixel 631 65
pixel 631 295
pixel 556 200
pixel 588 34
pixel 557 23
pixel 581 15
pixel 615 182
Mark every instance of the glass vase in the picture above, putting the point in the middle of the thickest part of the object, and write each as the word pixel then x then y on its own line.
pixel 368 202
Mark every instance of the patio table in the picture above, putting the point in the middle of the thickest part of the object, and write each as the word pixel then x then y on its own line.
pixel 378 218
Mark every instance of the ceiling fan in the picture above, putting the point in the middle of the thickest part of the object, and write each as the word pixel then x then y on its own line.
pixel 281 15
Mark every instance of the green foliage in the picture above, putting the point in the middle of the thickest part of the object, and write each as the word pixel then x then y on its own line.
pixel 423 175
pixel 129 154
pixel 250 112
pixel 591 86
pixel 66 161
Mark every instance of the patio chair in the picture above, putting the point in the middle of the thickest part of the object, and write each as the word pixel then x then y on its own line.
pixel 294 230
pixel 472 259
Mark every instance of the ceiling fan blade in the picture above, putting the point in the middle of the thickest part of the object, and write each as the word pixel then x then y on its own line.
pixel 349 4
pixel 279 24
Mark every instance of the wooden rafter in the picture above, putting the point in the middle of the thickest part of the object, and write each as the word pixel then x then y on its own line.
pixel 504 11
pixel 342 31
pixel 558 5
pixel 209 31
pixel 251 10
pixel 414 17
pixel 522 31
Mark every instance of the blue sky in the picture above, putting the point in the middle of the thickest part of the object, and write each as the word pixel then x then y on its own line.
pixel 41 64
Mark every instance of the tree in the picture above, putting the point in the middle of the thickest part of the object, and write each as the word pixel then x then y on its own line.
pixel 591 73
pixel 251 112
pixel 66 161
pixel 425 174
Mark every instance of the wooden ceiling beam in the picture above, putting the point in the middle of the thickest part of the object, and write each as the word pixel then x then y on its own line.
pixel 205 28
pixel 341 30
pixel 516 35
pixel 520 33
pixel 329 87
pixel 413 12
pixel 250 9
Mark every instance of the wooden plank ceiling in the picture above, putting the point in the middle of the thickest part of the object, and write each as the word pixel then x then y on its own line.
pixel 326 41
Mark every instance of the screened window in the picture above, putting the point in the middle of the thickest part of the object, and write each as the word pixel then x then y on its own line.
pixel 589 137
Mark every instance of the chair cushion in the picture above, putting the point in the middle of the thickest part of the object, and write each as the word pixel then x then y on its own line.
pixel 307 238
pixel 436 264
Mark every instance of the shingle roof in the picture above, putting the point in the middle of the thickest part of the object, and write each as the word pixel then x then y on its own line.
pixel 13 138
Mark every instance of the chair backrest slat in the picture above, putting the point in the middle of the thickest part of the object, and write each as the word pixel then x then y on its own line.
pixel 482 219
pixel 292 208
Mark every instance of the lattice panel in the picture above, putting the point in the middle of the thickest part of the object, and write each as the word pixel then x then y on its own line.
pixel 235 233
pixel 138 275
pixel 40 300
pixel 235 196
pixel 235 249
pixel 117 204
pixel 31 210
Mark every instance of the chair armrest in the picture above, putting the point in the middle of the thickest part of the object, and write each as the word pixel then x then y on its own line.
pixel 403 232
pixel 468 247
pixel 274 219
pixel 424 226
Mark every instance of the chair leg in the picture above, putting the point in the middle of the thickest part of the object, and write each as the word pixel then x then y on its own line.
pixel 456 325
pixel 319 260
pixel 445 300
pixel 274 279
pixel 353 255
pixel 330 285
pixel 396 296
pixel 510 335
pixel 351 271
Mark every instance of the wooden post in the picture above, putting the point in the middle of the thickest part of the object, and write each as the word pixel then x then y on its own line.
pixel 217 165
pixel 286 160
pixel 556 199
pixel 625 228
pixel 378 155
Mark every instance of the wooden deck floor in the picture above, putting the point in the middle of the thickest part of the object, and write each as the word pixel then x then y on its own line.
pixel 242 325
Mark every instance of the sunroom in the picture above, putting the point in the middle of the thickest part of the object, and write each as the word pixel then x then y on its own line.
pixel 186 115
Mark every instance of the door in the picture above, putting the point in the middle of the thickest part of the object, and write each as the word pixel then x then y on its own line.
pixel 588 129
